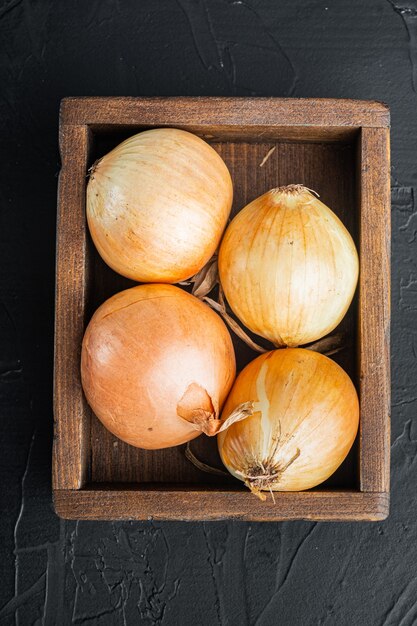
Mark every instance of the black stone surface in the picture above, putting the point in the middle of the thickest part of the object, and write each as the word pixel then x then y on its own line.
pixel 58 573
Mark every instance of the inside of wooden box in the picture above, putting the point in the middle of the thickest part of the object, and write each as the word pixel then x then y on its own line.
pixel 327 166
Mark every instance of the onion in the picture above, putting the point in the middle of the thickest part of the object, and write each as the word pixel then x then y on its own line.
pixel 156 366
pixel 288 267
pixel 157 205
pixel 305 420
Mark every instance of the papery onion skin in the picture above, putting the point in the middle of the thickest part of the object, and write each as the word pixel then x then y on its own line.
pixel 288 267
pixel 305 420
pixel 157 205
pixel 156 366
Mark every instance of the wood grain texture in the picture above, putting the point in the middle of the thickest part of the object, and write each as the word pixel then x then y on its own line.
pixel 224 112
pixel 374 309
pixel 317 143
pixel 201 505
pixel 249 133
pixel 71 448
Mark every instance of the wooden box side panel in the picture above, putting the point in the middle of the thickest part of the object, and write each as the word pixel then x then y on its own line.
pixel 374 309
pixel 226 113
pixel 71 449
pixel 200 505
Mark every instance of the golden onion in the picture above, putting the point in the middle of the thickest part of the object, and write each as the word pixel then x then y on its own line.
pixel 288 266
pixel 157 205
pixel 156 366
pixel 304 422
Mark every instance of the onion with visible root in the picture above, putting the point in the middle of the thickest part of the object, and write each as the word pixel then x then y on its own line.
pixel 288 267
pixel 157 365
pixel 157 205
pixel 305 419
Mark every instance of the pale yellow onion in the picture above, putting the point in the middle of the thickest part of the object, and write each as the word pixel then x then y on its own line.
pixel 156 366
pixel 288 266
pixel 157 205
pixel 305 420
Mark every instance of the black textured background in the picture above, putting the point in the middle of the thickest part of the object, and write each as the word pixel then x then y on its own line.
pixel 57 573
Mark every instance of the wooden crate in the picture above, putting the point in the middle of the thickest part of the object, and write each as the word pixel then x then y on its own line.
pixel 340 148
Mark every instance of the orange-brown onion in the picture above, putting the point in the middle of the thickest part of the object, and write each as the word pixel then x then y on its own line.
pixel 288 266
pixel 157 205
pixel 156 366
pixel 305 419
